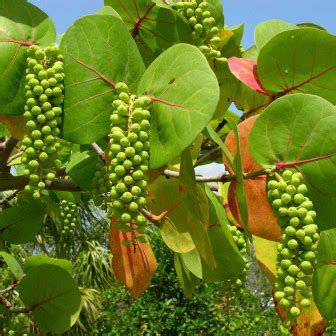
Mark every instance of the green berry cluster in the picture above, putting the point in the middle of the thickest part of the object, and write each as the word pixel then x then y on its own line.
pixel 43 115
pixel 69 214
pixel 205 33
pixel 129 159
pixel 238 238
pixel 101 185
pixel 296 257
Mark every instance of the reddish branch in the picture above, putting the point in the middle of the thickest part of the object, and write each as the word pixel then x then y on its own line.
pixel 159 100
pixel 158 218
pixel 21 43
pixel 283 165
pixel 138 24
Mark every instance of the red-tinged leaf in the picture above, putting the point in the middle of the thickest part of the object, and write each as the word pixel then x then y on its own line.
pixel 246 71
pixel 261 221
pixel 134 267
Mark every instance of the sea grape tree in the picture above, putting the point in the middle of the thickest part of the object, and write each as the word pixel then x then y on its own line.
pixel 121 111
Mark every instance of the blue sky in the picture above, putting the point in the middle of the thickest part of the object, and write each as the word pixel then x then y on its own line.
pixel 65 12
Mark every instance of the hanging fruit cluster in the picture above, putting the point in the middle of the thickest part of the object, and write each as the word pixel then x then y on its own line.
pixel 43 115
pixel 296 257
pixel 125 178
pixel 205 33
pixel 238 238
pixel 69 216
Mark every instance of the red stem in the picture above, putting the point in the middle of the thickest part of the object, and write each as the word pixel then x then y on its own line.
pixel 283 165
pixel 22 43
pixel 137 26
pixel 154 99
pixel 89 67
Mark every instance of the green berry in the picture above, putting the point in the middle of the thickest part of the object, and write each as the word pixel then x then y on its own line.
pixel 272 185
pixel 277 203
pixel 292 244
pixel 279 295
pixel 294 311
pixel 284 303
pixel 290 231
pixel 299 198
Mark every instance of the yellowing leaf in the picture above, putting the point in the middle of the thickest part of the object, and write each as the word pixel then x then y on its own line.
pixel 177 241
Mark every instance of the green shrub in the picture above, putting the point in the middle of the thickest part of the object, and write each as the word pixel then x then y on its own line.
pixel 164 310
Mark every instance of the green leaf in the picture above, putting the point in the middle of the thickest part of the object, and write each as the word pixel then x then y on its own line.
pixel 98 51
pixel 295 128
pixel 52 295
pixel 159 27
pixel 238 169
pixel 180 242
pixel 19 224
pixel 199 231
pixel 82 168
pixel 229 261
pixel 107 10
pixel 170 195
pixel 250 101
pixel 38 260
pixel 19 21
pixel 251 53
pixel 186 279
pixel 193 263
pixel 300 60
pixel 229 88
pixel 185 95
pixel 67 195
pixel 325 274
pixel 214 136
pixel 266 30
pixel 216 9
pixel 13 265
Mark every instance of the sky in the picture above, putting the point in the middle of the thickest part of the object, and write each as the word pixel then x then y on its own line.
pixel 250 12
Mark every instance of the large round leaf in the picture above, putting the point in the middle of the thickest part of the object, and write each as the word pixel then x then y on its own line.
pixel 185 94
pixel 40 259
pixel 98 51
pixel 301 127
pixel 266 30
pixel 159 27
pixel 22 22
pixel 19 224
pixel 325 275
pixel 52 295
pixel 301 60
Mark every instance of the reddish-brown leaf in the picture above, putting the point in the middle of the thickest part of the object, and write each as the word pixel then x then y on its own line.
pixel 262 222
pixel 246 71
pixel 134 267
